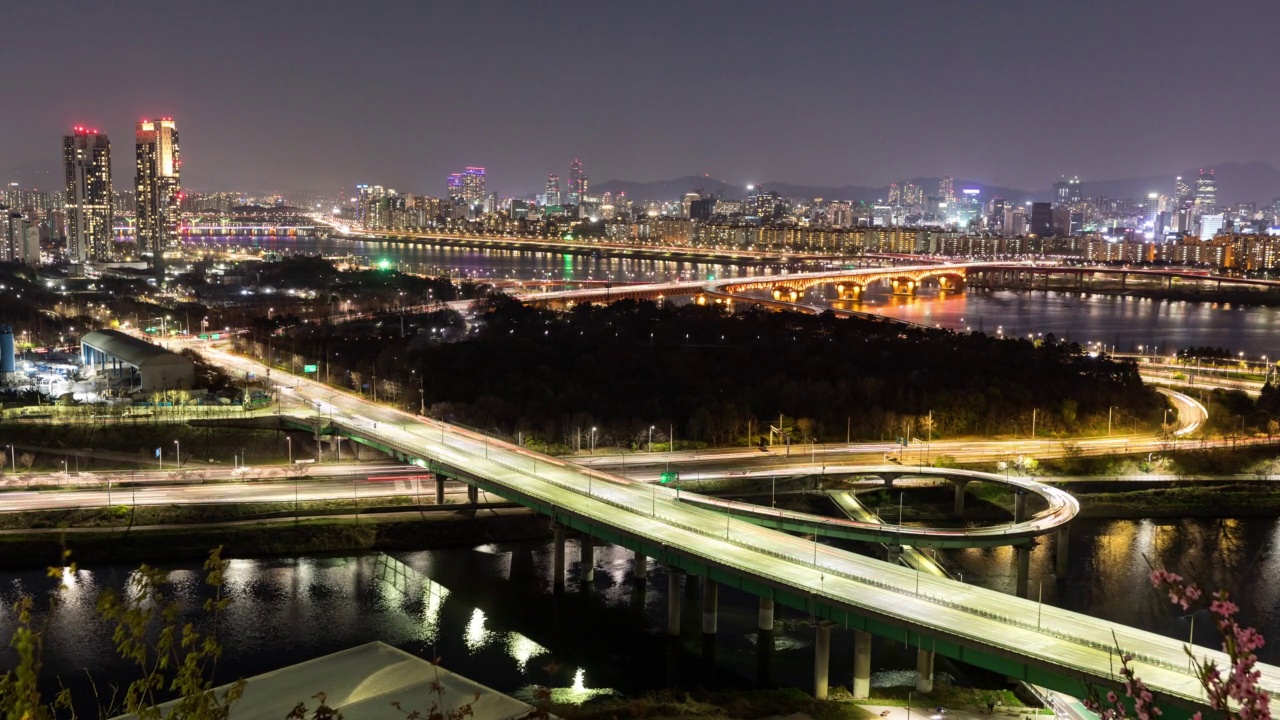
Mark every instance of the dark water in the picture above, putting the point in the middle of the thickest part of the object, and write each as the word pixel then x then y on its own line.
pixel 1127 322
pixel 489 612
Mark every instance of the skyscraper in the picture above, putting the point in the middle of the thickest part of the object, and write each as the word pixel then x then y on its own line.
pixel 552 196
pixel 1181 190
pixel 577 183
pixel 86 155
pixel 1206 192
pixel 157 185
pixel 454 189
pixel 473 185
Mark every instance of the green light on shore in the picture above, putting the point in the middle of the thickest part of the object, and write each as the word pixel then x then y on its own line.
pixel 384 264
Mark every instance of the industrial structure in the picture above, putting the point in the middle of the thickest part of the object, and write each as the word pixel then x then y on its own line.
pixel 145 366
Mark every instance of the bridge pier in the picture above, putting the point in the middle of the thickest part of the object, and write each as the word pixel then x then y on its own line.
pixel 893 554
pixel 557 557
pixel 1022 555
pixel 765 623
pixel 958 507
pixel 439 489
pixel 924 670
pixel 861 664
pixel 673 602
pixel 710 605
pixel 821 659
pixel 473 495
pixel 586 559
pixel 640 569
pixel 1060 541
pixel 1019 506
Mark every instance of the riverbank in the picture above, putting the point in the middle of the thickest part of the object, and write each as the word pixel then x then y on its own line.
pixel 259 538
pixel 1184 294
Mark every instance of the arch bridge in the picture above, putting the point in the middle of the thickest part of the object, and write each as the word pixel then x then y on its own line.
pixel 850 284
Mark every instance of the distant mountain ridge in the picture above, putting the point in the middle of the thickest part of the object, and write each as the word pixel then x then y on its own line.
pixel 1257 182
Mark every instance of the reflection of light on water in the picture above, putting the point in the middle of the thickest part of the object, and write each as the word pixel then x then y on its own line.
pixel 476 635
pixel 576 695
pixel 433 596
pixel 522 649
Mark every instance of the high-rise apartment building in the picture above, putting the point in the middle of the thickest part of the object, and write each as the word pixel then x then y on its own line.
pixel 947 189
pixel 86 156
pixel 1206 192
pixel 453 186
pixel 473 185
pixel 157 188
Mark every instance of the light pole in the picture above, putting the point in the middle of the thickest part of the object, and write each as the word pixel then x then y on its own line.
pixel 13 459
pixel 177 451
pixel 290 441
pixel 651 438
pixel 593 441
pixel 1109 409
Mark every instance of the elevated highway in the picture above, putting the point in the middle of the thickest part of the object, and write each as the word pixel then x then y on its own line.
pixel 1061 650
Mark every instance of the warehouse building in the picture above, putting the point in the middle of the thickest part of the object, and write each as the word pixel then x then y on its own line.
pixel 144 366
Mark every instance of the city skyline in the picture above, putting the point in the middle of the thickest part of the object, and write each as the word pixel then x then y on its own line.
pixel 807 106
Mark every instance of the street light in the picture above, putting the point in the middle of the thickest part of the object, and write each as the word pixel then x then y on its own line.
pixel 177 450
pixel 593 441
pixel 650 438
pixel 290 441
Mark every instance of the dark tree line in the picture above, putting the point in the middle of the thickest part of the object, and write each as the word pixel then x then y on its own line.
pixel 715 376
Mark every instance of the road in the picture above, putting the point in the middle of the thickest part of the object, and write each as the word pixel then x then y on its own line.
pixel 1063 646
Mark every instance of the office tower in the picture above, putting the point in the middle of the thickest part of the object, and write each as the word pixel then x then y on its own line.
pixel 1210 224
pixel 473 185
pixel 1041 219
pixel 86 156
pixel 453 185
pixel 156 186
pixel 946 189
pixel 1206 192
pixel 1181 190
pixel 577 183
pixel 552 196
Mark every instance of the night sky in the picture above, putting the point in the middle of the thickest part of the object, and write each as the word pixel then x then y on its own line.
pixel 291 96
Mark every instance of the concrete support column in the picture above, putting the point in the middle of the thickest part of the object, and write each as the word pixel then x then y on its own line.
pixel 673 602
pixel 821 659
pixel 439 486
pixel 958 508
pixel 894 553
pixel 1019 506
pixel 557 557
pixel 1023 555
pixel 640 569
pixel 473 494
pixel 1060 551
pixel 710 605
pixel 861 664
pixel 766 615
pixel 924 670
pixel 587 559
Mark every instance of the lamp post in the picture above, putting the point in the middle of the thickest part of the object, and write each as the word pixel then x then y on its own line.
pixel 177 451
pixel 650 438
pixel 593 441
pixel 13 459
pixel 290 441
pixel 1109 409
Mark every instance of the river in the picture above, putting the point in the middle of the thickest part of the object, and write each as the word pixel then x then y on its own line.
pixel 1128 323
pixel 489 612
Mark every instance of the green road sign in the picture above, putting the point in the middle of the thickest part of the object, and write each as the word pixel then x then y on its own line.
pixel 670 476
pixel 217 336
pixel 309 368
pixel 203 336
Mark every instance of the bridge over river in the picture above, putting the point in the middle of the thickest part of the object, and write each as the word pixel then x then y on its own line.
pixel 1064 651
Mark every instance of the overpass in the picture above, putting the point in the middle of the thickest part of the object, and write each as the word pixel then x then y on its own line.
pixel 1065 651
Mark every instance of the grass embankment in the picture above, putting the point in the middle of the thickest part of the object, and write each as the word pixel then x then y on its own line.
pixel 140 441
pixel 339 534
pixel 1199 501
pixel 707 705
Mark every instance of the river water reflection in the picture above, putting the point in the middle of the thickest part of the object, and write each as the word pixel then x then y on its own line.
pixel 489 612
